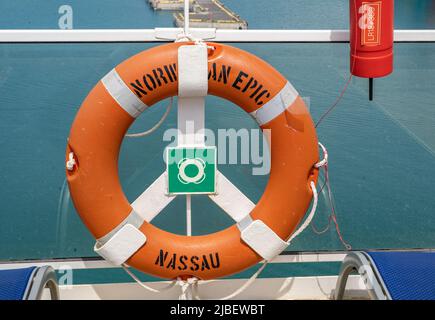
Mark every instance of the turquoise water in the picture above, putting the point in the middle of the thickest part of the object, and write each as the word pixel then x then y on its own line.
pixel 382 152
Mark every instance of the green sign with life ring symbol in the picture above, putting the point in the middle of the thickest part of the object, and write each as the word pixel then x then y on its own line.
pixel 191 170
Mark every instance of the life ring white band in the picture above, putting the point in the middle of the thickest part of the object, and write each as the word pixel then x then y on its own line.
pixel 260 238
pixel 122 245
pixel 122 94
pixel 276 105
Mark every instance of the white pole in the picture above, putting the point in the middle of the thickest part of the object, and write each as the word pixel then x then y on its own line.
pixel 186 17
pixel 189 289
pixel 188 215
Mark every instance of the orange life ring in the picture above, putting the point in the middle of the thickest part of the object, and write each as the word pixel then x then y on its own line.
pixel 240 77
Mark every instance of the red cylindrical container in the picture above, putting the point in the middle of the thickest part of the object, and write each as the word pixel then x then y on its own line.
pixel 371 37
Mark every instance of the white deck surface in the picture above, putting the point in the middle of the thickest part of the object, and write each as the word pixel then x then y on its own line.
pixel 302 288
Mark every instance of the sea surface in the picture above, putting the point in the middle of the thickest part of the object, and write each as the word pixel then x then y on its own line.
pixel 382 153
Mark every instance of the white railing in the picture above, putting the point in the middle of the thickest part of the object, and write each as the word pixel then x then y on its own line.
pixel 219 35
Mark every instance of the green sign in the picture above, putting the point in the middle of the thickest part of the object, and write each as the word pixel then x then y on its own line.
pixel 191 170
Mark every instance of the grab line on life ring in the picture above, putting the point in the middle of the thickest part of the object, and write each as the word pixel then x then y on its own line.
pixel 193 282
pixel 132 87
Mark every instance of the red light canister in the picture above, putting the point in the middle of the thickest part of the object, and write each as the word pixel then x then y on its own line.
pixel 371 37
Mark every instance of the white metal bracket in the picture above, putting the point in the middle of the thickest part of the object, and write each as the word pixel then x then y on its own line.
pixel 172 33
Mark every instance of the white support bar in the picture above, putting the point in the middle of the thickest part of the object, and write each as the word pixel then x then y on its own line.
pixel 153 200
pixel 219 35
pixel 122 245
pixel 192 90
pixel 230 199
pixel 190 118
pixel 188 215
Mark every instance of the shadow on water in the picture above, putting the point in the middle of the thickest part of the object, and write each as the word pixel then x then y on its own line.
pixel 62 217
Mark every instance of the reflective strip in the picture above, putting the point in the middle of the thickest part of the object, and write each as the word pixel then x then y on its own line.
pixel 244 223
pixel 276 105
pixel 133 219
pixel 122 245
pixel 122 94
pixel 262 239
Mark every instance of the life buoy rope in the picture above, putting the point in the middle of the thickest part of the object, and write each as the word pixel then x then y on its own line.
pixel 192 282
pixel 156 126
